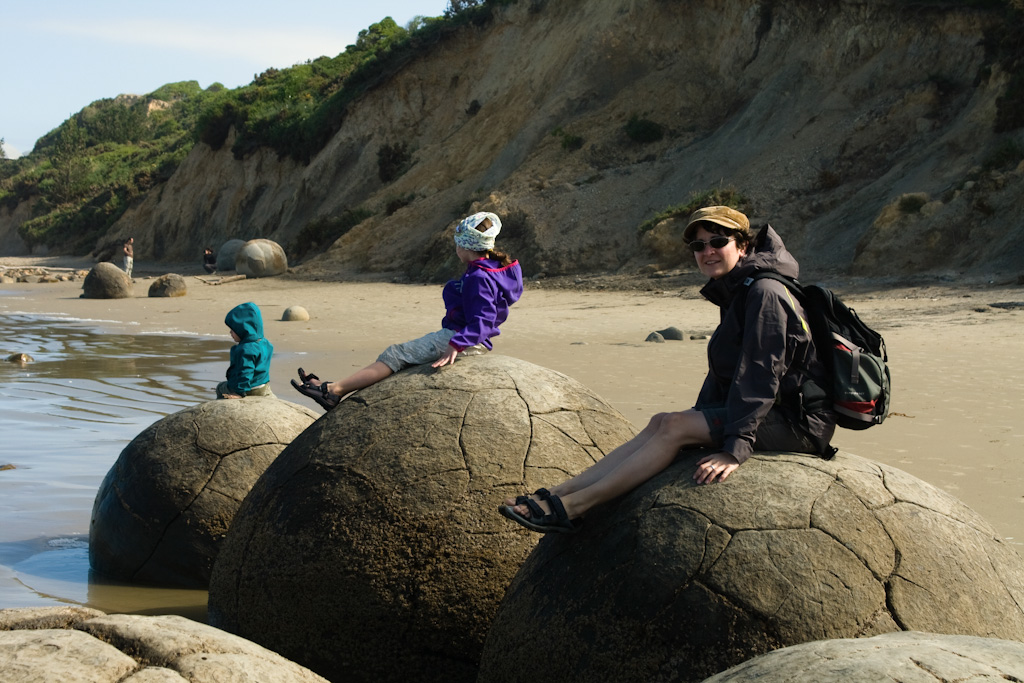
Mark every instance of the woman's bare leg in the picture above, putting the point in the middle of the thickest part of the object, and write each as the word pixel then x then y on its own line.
pixel 671 432
pixel 607 463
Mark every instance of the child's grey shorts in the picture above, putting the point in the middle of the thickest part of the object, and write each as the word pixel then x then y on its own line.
pixel 426 349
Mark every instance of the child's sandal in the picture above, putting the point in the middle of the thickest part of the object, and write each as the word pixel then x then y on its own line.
pixel 326 399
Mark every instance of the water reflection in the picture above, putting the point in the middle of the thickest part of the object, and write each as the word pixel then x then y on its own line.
pixel 64 419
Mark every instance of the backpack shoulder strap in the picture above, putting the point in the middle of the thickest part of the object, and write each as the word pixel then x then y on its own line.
pixel 791 283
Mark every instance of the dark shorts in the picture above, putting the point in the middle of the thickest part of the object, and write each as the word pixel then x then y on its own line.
pixel 775 433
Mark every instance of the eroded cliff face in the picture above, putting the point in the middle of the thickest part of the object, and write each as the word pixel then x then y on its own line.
pixel 823 116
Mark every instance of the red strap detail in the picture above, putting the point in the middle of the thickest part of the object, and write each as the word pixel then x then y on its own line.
pixel 865 407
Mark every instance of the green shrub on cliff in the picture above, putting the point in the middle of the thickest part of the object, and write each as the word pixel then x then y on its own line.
pixel 722 196
pixel 297 110
pixel 82 175
pixel 322 232
pixel 643 130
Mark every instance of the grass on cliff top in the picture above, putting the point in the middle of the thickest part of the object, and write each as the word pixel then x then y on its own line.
pixel 81 176
pixel 297 110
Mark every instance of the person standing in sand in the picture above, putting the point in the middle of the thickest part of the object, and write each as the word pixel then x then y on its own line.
pixel 129 255
pixel 476 305
pixel 761 391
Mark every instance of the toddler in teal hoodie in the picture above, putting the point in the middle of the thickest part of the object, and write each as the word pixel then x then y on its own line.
pixel 249 371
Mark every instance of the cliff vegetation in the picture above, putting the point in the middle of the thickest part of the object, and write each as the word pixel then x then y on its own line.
pixel 875 135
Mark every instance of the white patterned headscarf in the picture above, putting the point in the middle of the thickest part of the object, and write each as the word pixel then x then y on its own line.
pixel 468 237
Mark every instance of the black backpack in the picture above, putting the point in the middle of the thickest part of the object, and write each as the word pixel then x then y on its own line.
pixel 853 353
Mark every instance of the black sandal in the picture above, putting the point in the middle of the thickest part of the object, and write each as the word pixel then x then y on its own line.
pixel 556 521
pixel 326 399
pixel 541 493
pixel 304 378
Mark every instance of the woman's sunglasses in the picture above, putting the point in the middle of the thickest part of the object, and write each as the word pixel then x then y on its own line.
pixel 716 242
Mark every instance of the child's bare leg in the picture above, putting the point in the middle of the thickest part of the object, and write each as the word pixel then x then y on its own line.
pixel 371 374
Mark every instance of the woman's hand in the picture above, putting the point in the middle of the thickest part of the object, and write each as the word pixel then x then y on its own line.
pixel 448 357
pixel 232 396
pixel 714 468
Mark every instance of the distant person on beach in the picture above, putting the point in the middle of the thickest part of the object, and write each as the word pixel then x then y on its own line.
pixel 209 261
pixel 129 255
pixel 761 391
pixel 249 371
pixel 476 305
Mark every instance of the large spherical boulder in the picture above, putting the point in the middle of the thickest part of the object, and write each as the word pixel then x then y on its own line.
pixel 171 284
pixel 677 581
pixel 107 281
pixel 227 254
pixel 372 548
pixel 888 657
pixel 163 508
pixel 78 644
pixel 261 258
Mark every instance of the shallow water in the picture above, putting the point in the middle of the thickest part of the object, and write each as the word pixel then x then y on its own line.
pixel 64 419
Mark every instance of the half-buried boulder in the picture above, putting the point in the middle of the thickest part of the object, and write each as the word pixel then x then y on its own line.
pixel 677 581
pixel 902 656
pixel 261 258
pixel 164 507
pixel 75 644
pixel 171 284
pixel 107 281
pixel 372 549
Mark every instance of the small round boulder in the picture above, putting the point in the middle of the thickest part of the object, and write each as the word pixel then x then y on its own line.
pixel 789 549
pixel 107 281
pixel 171 284
pixel 164 507
pixel 261 258
pixel 227 254
pixel 372 548
pixel 295 314
pixel 888 657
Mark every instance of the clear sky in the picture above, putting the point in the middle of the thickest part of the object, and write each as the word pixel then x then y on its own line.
pixel 60 55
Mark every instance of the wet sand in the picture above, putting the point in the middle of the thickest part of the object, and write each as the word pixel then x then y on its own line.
pixel 956 355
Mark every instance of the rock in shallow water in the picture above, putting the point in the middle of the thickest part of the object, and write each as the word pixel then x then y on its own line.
pixel 163 508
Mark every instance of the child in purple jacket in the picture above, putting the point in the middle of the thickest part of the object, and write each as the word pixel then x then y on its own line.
pixel 476 305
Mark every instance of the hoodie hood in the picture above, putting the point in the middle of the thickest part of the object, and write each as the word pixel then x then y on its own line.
pixel 245 321
pixel 767 253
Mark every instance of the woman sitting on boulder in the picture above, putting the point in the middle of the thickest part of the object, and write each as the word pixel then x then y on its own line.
pixel 476 305
pixel 761 359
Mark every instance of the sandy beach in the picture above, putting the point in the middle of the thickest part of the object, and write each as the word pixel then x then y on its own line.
pixel 955 352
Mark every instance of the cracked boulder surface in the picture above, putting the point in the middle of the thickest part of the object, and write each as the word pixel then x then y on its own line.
pixel 372 549
pixel 900 656
pixel 677 581
pixel 164 507
pixel 82 644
